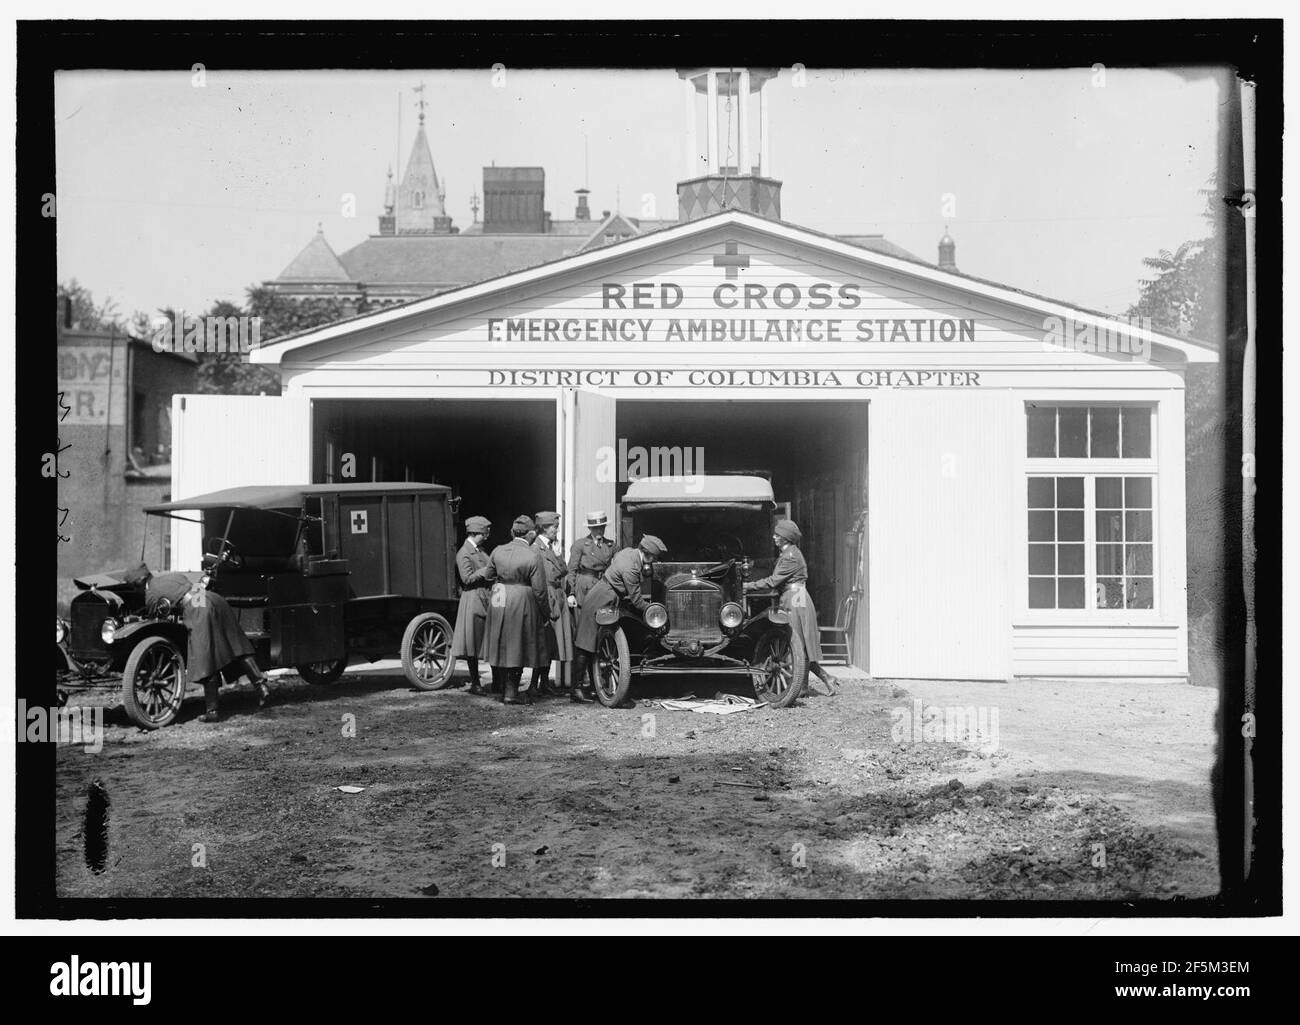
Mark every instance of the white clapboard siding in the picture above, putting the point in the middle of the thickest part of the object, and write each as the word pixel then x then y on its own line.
pixel 1003 334
pixel 1100 650
pixel 939 467
pixel 226 441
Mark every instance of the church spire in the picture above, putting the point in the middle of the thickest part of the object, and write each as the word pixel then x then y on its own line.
pixel 418 207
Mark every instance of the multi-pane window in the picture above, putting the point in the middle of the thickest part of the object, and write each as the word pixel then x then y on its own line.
pixel 1091 525
pixel 1125 556
pixel 1089 432
pixel 1056 543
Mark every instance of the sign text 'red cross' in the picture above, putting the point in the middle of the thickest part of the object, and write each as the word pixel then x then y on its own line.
pixel 731 259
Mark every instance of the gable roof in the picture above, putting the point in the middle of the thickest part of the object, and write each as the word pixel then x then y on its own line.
pixel 771 230
pixel 316 262
pixel 450 261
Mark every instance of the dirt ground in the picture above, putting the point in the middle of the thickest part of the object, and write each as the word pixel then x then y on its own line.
pixel 1096 790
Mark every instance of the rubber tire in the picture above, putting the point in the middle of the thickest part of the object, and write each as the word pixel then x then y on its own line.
pixel 135 710
pixel 308 672
pixel 624 685
pixel 408 655
pixel 797 661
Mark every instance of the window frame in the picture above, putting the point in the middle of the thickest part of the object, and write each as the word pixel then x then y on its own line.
pixel 1089 469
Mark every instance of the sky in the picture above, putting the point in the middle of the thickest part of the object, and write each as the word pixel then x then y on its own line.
pixel 172 194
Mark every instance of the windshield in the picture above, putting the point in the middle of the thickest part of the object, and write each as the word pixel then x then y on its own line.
pixel 254 531
pixel 708 534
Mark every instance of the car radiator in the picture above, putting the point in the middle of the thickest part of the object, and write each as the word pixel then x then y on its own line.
pixel 693 613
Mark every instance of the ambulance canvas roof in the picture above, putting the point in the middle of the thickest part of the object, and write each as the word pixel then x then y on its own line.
pixel 287 496
pixel 704 489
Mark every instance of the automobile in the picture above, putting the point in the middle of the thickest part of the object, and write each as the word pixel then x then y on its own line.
pixel 718 532
pixel 319 575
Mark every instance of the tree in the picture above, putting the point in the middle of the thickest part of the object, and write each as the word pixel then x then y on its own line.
pixel 220 373
pixel 1186 296
pixel 87 315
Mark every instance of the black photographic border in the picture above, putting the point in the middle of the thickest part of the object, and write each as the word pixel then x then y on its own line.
pixel 1252 47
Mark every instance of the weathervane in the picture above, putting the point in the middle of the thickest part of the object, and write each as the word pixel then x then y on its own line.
pixel 421 102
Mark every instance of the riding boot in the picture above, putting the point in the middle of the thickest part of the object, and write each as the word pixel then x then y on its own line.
pixel 499 682
pixel 472 664
pixel 578 677
pixel 511 695
pixel 211 711
pixel 541 684
pixel 257 678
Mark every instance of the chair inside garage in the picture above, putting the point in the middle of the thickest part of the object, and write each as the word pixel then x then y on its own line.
pixel 837 639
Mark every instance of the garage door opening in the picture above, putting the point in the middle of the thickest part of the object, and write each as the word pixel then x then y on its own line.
pixel 497 455
pixel 814 453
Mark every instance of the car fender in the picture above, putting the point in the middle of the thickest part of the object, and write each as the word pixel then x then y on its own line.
pixel 127 637
pixel 610 615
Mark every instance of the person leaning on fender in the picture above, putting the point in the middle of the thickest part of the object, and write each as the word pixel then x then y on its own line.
pixel 476 575
pixel 790 576
pixel 620 583
pixel 216 640
pixel 588 560
pixel 518 609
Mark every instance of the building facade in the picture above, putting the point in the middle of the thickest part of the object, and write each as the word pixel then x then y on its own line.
pixel 996 477
pixel 115 436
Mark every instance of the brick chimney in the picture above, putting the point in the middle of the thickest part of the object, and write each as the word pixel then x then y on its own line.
pixel 947 252
pixel 513 200
pixel 583 212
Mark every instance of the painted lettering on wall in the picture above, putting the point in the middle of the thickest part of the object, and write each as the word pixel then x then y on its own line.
pixel 733 377
pixel 85 376
pixel 797 330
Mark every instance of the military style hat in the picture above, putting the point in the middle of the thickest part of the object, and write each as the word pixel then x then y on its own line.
pixel 478 525
pixel 546 519
pixel 597 519
pixel 523 524
pixel 653 545
pixel 789 530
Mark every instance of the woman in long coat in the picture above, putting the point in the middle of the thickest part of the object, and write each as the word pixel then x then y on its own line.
pixel 475 574
pixel 518 609
pixel 790 577
pixel 216 640
pixel 557 636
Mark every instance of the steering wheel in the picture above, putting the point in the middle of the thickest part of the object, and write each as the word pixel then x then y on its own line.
pixel 728 547
pixel 225 555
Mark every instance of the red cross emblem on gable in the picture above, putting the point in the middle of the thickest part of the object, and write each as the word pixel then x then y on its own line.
pixel 731 259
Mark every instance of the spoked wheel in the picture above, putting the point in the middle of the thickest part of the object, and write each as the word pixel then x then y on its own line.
pixel 426 652
pixel 321 673
pixel 780 668
pixel 153 683
pixel 613 667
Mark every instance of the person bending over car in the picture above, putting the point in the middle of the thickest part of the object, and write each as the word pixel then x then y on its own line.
pixel 620 583
pixel 790 577
pixel 216 640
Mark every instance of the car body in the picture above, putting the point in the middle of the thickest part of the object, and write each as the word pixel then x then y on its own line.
pixel 718 532
pixel 318 575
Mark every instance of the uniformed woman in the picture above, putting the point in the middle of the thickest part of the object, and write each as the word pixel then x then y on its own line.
pixel 557 634
pixel 216 640
pixel 518 609
pixel 588 560
pixel 620 584
pixel 790 576
pixel 476 575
